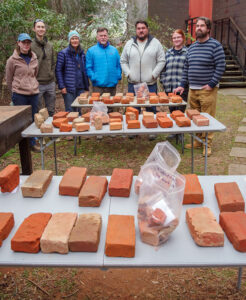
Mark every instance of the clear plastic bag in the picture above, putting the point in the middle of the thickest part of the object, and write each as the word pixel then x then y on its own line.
pixel 165 155
pixel 141 90
pixel 160 203
pixel 99 109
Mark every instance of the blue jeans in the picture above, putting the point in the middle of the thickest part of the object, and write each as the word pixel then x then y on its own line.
pixel 69 97
pixel 19 99
pixel 152 89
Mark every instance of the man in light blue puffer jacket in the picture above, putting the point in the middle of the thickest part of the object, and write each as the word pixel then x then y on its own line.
pixel 103 64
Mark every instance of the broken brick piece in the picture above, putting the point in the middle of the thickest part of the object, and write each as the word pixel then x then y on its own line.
pixel 157 217
pixel 204 229
pixel 80 127
pixel 44 113
pixel 38 120
pixel 234 225
pixel 93 191
pixel 133 124
pixel 98 123
pixel 86 117
pixel 193 193
pixel 229 197
pixel 200 120
pixel 6 225
pixel 150 122
pixel 176 113
pixel 183 121
pixel 57 122
pixel 130 116
pixel 192 112
pixel 120 183
pixel 60 114
pixel 72 115
pixel 65 127
pixel 134 110
pixel 36 184
pixel 56 234
pixel 85 235
pixel 72 181
pixel 115 115
pixel 120 239
pixel 9 178
pixel 165 122
pixel 27 237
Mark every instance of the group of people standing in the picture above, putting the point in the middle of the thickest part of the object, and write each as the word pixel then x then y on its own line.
pixel 31 70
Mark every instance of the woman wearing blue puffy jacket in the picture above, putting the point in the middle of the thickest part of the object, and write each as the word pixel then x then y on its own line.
pixel 70 70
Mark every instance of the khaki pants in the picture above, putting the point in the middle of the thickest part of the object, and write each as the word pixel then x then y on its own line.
pixel 204 101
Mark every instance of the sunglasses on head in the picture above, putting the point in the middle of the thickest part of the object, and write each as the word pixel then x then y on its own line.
pixel 38 20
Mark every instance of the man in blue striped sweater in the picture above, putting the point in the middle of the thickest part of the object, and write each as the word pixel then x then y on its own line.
pixel 204 66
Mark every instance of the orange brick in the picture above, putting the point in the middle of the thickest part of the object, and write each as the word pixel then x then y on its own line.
pixel 120 239
pixel 165 122
pixel 140 100
pixel 134 110
pixel 125 100
pixel 229 197
pixel 170 94
pixel 176 113
pixel 234 225
pixel 66 127
pixel 192 112
pixel 152 94
pixel 60 114
pixel 117 99
pixel 161 114
pixel 94 94
pixel 72 181
pixel 154 100
pixel 108 101
pixel 176 99
pixel 80 127
pixel 115 115
pixel 162 94
pixel 114 120
pixel 57 122
pixel 183 121
pixel 9 178
pixel 150 122
pixel 133 124
pixel 200 120
pixel 130 94
pixel 120 183
pixel 86 117
pixel 94 99
pixel 164 99
pixel 157 217
pixel 6 225
pixel 72 115
pixel 115 126
pixel 193 193
pixel 130 116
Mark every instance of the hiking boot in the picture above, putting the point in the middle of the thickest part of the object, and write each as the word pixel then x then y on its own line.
pixel 35 148
pixel 196 145
pixel 209 151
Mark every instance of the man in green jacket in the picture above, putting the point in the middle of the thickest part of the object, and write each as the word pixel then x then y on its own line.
pixel 46 62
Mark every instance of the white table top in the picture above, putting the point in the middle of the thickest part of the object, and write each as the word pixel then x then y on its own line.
pixel 179 251
pixel 214 125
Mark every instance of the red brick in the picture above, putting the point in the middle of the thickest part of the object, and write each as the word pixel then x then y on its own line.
pixel 140 100
pixel 162 94
pixel 115 115
pixel 157 217
pixel 192 112
pixel 125 101
pixel 72 181
pixel 9 178
pixel 60 114
pixel 94 99
pixel 93 191
pixel 115 126
pixel 86 117
pixel 6 225
pixel 234 225
pixel 95 94
pixel 154 100
pixel 151 94
pixel 108 101
pixel 134 110
pixel 161 114
pixel 183 121
pixel 164 99
pixel 117 99
pixel 204 228
pixel 165 122
pixel 57 122
pixel 133 124
pixel 177 113
pixel 170 94
pixel 176 99
pixel 150 122
pixel 80 127
pixel 27 237
pixel 72 115
pixel 200 120
pixel 66 127
pixel 229 197
pixel 120 239
pixel 120 183
pixel 193 193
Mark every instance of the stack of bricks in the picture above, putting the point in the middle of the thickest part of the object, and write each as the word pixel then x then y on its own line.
pixel 115 121
pixel 9 178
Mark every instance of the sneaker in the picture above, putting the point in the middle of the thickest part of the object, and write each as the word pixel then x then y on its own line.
pixel 35 148
pixel 209 151
pixel 152 137
pixel 196 145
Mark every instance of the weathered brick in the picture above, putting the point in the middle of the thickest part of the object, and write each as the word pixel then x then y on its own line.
pixel 86 117
pixel 57 122
pixel 200 120
pixel 115 115
pixel 183 121
pixel 82 127
pixel 120 183
pixel 134 110
pixel 78 120
pixel 6 225
pixel 9 178
pixel 193 193
pixel 130 116
pixel 46 128
pixel 165 122
pixel 72 115
pixel 176 113
pixel 133 124
pixel 150 122
pixel 65 127
pixel 38 120
pixel 72 181
pixel 192 112
pixel 115 126
pixel 44 113
pixel 176 99
pixel 60 114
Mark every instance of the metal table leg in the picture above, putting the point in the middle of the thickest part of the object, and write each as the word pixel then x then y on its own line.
pixel 239 277
pixel 75 145
pixel 192 154
pixel 42 151
pixel 182 142
pixel 206 153
pixel 55 156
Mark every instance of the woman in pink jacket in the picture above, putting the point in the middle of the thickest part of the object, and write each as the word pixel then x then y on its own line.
pixel 21 72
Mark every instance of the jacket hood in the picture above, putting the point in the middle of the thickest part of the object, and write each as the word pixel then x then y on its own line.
pixel 15 55
pixel 150 38
pixel 72 51
pixel 41 42
pixel 100 45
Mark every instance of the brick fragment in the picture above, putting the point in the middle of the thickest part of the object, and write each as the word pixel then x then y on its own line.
pixel 85 235
pixel 134 110
pixel 115 115
pixel 65 127
pixel 60 114
pixel 229 197
pixel 93 191
pixel 95 94
pixel 115 126
pixel 157 217
pixel 27 237
pixel 72 115
pixel 133 124
pixel 80 127
pixel 36 184
pixel 193 193
pixel 6 225
pixel 57 122
pixel 120 183
pixel 98 123
pixel 44 113
pixel 150 122
pixel 204 228
pixel 86 117
pixel 200 120
pixel 192 112
pixel 165 122
pixel 38 120
pixel 46 128
pixel 183 121
pixel 176 113
pixel 9 178
pixel 130 116
pixel 120 239
pixel 72 181
pixel 56 234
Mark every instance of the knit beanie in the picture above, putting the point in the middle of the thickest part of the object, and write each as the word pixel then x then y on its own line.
pixel 73 33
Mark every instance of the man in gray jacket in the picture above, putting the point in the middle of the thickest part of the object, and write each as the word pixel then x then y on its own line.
pixel 142 59
pixel 46 62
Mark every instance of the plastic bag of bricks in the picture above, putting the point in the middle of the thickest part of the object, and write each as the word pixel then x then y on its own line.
pixel 99 109
pixel 159 203
pixel 141 90
pixel 165 155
